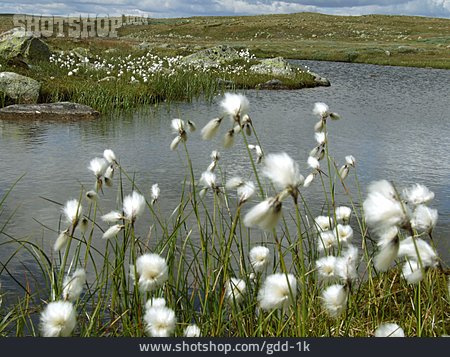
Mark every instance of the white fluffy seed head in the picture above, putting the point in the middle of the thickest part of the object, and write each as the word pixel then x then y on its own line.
pixel 192 331
pixel 335 300
pixel 208 179
pixel 112 217
pixel 98 166
pixel 73 285
pixel 278 291
pixel 320 138
pixel 343 214
pixel 246 191
pixel 282 170
pixel 343 233
pixel 109 156
pixel 211 128
pixel 155 302
pixel 411 272
pixel 61 241
pixel 427 255
pixel 152 271
pixel 264 215
pixel 323 223
pixel 234 105
pixel 259 258
pixel 326 240
pixel 112 231
pixel 350 160
pixel 424 219
pixel 58 319
pixel 343 172
pixel 313 163
pixel 389 330
pixel 321 109
pixel 326 267
pixel 234 183
pixel 235 290
pixel 133 206
pixel 417 194
pixel 175 142
pixel 386 255
pixel 228 139
pixel 72 211
pixel 215 155
pixel 160 321
pixel 309 179
pixel 177 125
pixel 155 192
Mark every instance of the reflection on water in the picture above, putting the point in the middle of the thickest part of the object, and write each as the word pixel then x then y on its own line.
pixel 395 122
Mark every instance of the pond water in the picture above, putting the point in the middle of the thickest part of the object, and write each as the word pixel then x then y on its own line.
pixel 395 121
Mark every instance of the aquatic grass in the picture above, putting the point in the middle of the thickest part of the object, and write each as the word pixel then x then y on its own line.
pixel 206 243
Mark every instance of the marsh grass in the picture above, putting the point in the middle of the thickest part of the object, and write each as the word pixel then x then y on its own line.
pixel 205 243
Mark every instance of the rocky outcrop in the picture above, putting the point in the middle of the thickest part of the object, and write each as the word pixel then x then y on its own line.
pixel 277 66
pixel 25 45
pixel 213 56
pixel 48 111
pixel 19 89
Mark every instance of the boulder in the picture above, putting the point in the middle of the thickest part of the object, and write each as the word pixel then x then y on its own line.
pixel 272 84
pixel 277 66
pixel 48 111
pixel 18 43
pixel 212 56
pixel 18 88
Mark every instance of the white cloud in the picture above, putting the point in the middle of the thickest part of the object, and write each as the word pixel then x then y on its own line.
pixel 178 8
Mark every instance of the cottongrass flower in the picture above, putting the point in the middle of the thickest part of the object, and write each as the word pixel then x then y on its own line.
pixel 343 214
pixel 211 128
pixel 427 255
pixel 215 156
pixel 61 241
pixel 192 331
pixel 109 156
pixel 174 143
pixel 350 160
pixel 309 179
pixel 91 195
pixel 278 291
pixel 208 180
pixel 283 172
pixel 98 166
pixel 58 319
pixel 258 151
pixel 109 175
pixel 417 194
pixel 343 233
pixel 160 321
pixel 382 209
pixel 155 193
pixel 112 231
pixel 259 258
pixel 343 172
pixel 152 272
pixel 245 191
pixel 235 105
pixel 326 240
pixel 155 302
pixel 412 272
pixel 73 285
pixel 335 299
pixel 323 223
pixel 389 330
pixel 424 219
pixel 228 140
pixel 346 265
pixel 72 211
pixel 387 254
pixel 264 215
pixel 326 267
pixel 235 290
pixel 133 206
pixel 112 217
pixel 234 183
pixel 313 163
pixel 191 126
pixel 84 225
pixel 321 138
pixel 321 109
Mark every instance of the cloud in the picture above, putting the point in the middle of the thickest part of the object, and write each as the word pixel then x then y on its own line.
pixel 185 8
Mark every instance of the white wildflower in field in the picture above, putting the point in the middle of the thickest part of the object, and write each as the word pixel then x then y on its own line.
pixel 235 290
pixel 246 191
pixel 343 233
pixel 152 272
pixel 389 330
pixel 427 255
pixel 326 267
pixel 323 223
pixel 72 211
pixel 235 105
pixel 73 285
pixel 264 215
pixel 278 291
pixel 211 128
pixel 160 321
pixel 155 193
pixel 155 302
pixel 283 171
pixel 112 231
pixel 259 258
pixel 335 299
pixel 417 194
pixel 387 254
pixel 411 272
pixel 133 206
pixel 424 219
pixel 326 240
pixel 98 166
pixel 109 156
pixel 192 331
pixel 343 214
pixel 58 319
pixel 112 217
pixel 61 241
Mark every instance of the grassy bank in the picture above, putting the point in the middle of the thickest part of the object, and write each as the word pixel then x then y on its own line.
pixel 333 276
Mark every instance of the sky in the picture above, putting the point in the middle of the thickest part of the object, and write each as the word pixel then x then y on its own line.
pixel 187 8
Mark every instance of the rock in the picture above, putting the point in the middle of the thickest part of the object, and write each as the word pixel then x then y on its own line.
pixel 276 66
pixel 144 46
pixel 213 56
pixel 272 84
pixel 24 45
pixel 225 83
pixel 320 81
pixel 18 88
pixel 48 111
